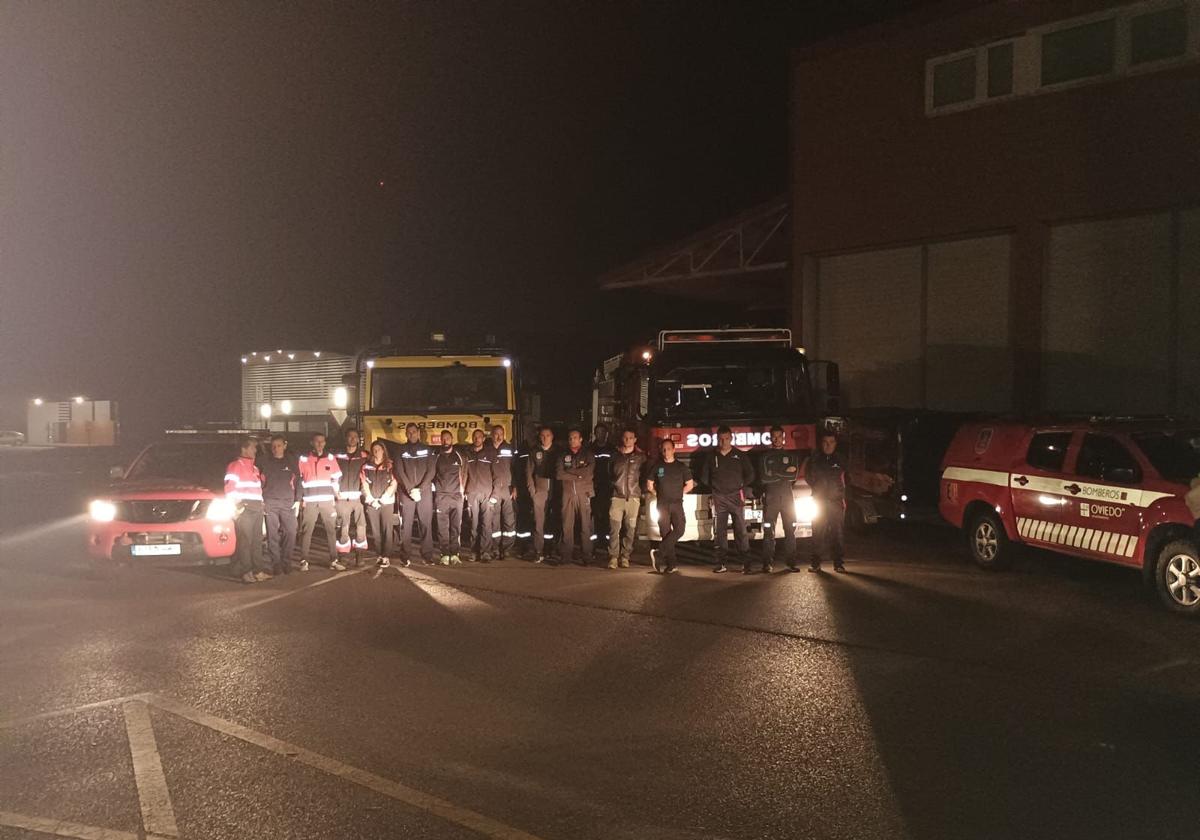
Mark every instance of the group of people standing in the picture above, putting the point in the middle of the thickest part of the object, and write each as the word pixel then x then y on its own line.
pixel 594 492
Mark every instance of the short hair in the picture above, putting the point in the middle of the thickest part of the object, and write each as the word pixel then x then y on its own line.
pixel 478 432
pixel 776 428
pixel 278 436
pixel 724 430
pixel 247 440
pixel 316 435
pixel 544 428
pixel 828 433
pixel 600 426
pixel 574 431
pixel 497 426
pixel 411 426
pixel 664 442
pixel 356 431
pixel 447 432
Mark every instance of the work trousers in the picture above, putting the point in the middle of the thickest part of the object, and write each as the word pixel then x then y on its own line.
pixel 829 531
pixel 671 522
pixel 779 505
pixel 728 506
pixel 504 525
pixel 576 506
pixel 480 535
pixel 601 505
pixel 281 536
pixel 350 515
pixel 449 520
pixel 410 512
pixel 543 517
pixel 622 528
pixel 247 529
pixel 310 515
pixel 380 522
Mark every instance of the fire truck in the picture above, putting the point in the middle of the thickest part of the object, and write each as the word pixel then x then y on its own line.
pixel 689 383
pixel 436 387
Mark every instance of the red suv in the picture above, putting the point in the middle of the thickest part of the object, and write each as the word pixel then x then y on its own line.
pixel 169 502
pixel 1110 490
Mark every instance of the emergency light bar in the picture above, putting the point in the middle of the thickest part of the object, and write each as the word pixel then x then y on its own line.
pixel 775 337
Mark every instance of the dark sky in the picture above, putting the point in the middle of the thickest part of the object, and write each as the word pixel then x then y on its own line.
pixel 181 182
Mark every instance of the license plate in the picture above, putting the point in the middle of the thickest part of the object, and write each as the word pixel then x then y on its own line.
pixel 155 550
pixel 803 532
pixel 754 516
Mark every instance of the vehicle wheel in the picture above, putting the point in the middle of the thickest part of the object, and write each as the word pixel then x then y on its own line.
pixel 1177 577
pixel 988 543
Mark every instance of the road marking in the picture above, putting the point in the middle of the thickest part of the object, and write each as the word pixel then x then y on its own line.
pixel 291 592
pixel 62 828
pixel 402 793
pixel 116 701
pixel 158 817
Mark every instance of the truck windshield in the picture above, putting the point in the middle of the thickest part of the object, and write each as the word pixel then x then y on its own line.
pixel 714 392
pixel 424 390
pixel 199 464
pixel 1175 454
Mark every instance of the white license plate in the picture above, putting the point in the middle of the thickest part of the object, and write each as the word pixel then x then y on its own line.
pixel 156 550
pixel 803 532
pixel 754 516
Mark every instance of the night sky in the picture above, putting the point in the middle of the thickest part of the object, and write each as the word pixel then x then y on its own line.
pixel 180 183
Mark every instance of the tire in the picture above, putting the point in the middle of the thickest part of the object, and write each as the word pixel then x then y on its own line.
pixel 988 542
pixel 1177 577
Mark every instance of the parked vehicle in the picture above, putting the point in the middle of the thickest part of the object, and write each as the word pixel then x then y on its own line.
pixel 1102 489
pixel 895 462
pixel 11 438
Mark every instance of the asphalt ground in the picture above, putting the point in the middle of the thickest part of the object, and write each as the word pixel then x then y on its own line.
pixel 914 697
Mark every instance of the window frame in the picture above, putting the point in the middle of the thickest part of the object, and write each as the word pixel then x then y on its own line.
pixel 1061 469
pixel 1130 452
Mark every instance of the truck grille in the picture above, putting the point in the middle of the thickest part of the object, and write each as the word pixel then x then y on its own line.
pixel 154 512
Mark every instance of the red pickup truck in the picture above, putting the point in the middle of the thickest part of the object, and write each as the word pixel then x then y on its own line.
pixel 1110 490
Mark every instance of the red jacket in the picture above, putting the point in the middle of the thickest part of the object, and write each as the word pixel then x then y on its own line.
pixel 319 475
pixel 243 481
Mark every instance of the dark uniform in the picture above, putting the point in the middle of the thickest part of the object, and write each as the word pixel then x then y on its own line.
pixel 777 472
pixel 669 481
pixel 602 489
pixel 381 520
pixel 281 490
pixel 576 471
pixel 449 472
pixel 626 472
pixel 826 474
pixel 727 476
pixel 480 480
pixel 504 518
pixel 539 480
pixel 414 471
pixel 350 511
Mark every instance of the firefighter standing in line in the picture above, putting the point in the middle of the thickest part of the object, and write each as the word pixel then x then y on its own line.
pixel 626 470
pixel 481 459
pixel 319 477
pixel 504 495
pixel 727 473
pixel 449 479
pixel 379 500
pixel 350 511
pixel 281 498
pixel 670 481
pixel 778 468
pixel 602 452
pixel 414 476
pixel 575 470
pixel 826 474
pixel 539 479
pixel 243 486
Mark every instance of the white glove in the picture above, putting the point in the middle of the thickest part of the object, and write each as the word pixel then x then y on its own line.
pixel 415 494
pixel 492 500
pixel 295 507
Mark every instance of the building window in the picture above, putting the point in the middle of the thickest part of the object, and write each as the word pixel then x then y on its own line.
pixel 1079 52
pixel 1159 35
pixel 954 81
pixel 1000 70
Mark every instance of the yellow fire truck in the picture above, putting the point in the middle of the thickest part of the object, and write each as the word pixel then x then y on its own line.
pixel 436 388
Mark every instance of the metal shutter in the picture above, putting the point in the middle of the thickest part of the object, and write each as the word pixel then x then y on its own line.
pixel 967 355
pixel 1105 316
pixel 869 322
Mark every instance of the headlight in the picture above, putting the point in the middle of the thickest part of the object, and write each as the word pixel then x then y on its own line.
pixel 222 508
pixel 102 510
pixel 807 509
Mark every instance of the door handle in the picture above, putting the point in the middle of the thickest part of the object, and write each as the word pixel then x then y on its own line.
pixel 1074 488
pixel 1022 480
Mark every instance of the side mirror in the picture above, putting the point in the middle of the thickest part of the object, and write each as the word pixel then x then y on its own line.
pixel 116 473
pixel 1120 475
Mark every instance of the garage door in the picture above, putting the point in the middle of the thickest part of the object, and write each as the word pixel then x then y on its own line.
pixel 967 355
pixel 1106 316
pixel 869 321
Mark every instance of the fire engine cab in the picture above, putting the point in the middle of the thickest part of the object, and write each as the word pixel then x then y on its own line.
pixel 1102 489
